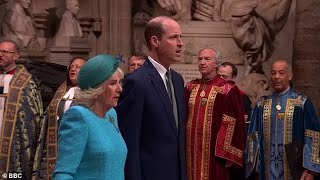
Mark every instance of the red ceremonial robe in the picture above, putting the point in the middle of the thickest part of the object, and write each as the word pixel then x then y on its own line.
pixel 215 134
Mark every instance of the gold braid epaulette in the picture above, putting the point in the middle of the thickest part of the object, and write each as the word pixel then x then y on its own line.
pixel 219 89
pixel 52 133
pixel 18 82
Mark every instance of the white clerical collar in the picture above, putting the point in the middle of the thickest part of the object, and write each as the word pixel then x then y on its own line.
pixel 70 94
pixel 69 99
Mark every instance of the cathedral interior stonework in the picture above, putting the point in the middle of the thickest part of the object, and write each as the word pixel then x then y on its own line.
pixel 54 31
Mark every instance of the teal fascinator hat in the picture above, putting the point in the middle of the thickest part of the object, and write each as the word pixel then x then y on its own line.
pixel 97 70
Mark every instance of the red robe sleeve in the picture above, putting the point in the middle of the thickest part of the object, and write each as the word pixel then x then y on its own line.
pixel 230 143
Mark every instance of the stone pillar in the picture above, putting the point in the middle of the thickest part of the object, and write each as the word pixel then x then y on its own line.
pixel 41 20
pixel 120 27
pixel 112 33
pixel 306 56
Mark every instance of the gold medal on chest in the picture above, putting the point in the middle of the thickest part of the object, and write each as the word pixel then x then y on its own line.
pixel 202 94
pixel 204 101
pixel 280 115
pixel 278 107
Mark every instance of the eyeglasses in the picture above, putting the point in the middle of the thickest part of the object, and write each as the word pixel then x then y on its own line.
pixel 4 52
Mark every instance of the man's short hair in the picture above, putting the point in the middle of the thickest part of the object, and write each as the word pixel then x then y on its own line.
pixel 284 61
pixel 154 28
pixel 15 44
pixel 218 56
pixel 140 55
pixel 233 67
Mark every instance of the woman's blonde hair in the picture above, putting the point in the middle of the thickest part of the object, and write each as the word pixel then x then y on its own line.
pixel 86 97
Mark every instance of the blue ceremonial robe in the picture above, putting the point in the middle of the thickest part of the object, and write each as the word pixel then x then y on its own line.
pixel 272 127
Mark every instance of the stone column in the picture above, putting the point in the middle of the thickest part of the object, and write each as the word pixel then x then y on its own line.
pixel 306 55
pixel 120 30
pixel 116 27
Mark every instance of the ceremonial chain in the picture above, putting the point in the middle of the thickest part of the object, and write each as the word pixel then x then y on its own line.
pixel 278 107
pixel 203 92
pixel 280 115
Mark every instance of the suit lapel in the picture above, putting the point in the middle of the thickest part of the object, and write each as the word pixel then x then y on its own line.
pixel 162 92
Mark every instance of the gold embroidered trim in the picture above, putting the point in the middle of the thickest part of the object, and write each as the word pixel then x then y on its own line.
pixel 191 104
pixel 288 125
pixel 52 136
pixel 267 133
pixel 315 145
pixel 218 89
pixel 207 124
pixel 230 131
pixel 287 133
pixel 17 84
pixel 206 140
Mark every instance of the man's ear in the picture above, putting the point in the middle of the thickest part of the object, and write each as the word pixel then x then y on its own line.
pixel 290 76
pixel 154 41
pixel 16 56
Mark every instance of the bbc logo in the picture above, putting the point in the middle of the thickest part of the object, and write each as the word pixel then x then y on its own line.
pixel 12 175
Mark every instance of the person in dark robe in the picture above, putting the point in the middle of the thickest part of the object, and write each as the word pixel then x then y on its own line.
pixel 62 100
pixel 20 113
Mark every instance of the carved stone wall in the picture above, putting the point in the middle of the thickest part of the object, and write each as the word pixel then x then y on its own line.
pixel 306 55
pixel 106 26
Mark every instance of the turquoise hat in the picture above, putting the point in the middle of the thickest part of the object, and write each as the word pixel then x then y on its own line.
pixel 97 70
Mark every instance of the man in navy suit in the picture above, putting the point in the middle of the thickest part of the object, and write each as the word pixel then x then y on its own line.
pixel 152 112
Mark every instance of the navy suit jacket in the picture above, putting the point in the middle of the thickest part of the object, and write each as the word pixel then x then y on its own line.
pixel 156 147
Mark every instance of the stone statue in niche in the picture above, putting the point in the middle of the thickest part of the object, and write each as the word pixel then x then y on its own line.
pixel 255 23
pixel 204 10
pixel 18 25
pixel 207 10
pixel 69 25
pixel 3 9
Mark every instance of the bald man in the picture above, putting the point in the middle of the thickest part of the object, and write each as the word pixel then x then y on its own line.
pixel 284 130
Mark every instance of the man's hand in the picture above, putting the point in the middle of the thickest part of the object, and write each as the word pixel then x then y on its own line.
pixel 307 175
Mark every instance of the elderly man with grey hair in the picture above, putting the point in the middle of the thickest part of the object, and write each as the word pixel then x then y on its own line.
pixel 215 132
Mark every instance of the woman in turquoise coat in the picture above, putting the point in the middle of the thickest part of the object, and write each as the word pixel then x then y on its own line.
pixel 90 144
